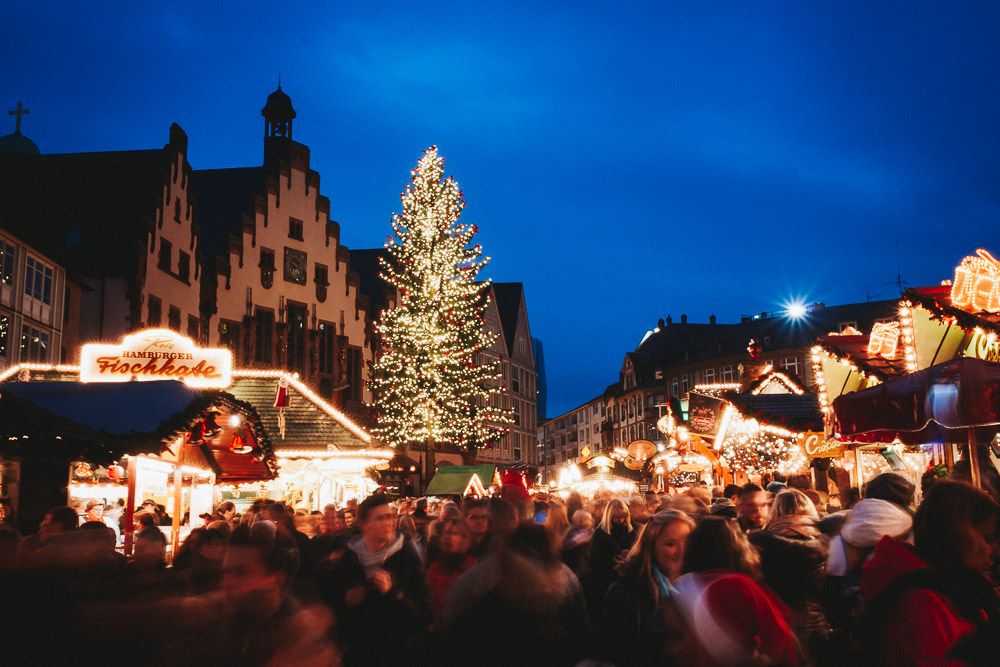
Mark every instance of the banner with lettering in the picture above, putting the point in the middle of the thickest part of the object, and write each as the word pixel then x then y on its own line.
pixel 156 354
pixel 817 446
pixel 705 414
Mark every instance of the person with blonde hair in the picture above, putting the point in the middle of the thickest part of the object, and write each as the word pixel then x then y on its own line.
pixel 613 537
pixel 793 515
pixel 630 630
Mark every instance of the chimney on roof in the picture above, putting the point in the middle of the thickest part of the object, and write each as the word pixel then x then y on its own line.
pixel 669 320
pixel 711 319
pixel 659 323
pixel 684 319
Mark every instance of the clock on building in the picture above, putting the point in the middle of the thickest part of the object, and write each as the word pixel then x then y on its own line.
pixel 295 266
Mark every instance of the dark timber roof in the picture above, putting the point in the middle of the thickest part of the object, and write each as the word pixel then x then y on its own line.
pixel 88 211
pixel 508 297
pixel 220 199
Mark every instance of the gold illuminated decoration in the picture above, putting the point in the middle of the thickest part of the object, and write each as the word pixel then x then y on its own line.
pixel 816 357
pixel 883 340
pixel 783 379
pixel 976 287
pixel 430 383
pixel 156 354
pixel 906 333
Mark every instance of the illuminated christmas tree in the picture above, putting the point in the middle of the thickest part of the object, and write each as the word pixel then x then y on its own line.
pixel 428 384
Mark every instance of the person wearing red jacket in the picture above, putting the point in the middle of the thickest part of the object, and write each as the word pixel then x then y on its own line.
pixel 923 601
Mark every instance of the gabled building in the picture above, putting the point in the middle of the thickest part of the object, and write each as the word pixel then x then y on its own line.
pixel 121 224
pixel 507 316
pixel 278 286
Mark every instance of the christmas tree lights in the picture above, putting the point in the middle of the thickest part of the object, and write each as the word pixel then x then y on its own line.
pixel 428 383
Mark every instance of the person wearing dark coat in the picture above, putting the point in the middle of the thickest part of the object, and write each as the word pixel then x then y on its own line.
pixel 612 539
pixel 378 590
pixel 632 630
pixel 792 564
pixel 519 606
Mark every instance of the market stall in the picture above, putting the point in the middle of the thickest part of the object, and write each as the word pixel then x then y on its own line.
pixel 120 444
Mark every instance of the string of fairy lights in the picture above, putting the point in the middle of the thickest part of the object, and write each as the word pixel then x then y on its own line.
pixel 429 384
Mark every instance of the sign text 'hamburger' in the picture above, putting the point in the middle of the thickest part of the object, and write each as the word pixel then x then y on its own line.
pixel 156 354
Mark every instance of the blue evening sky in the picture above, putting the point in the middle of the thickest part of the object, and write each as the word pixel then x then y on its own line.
pixel 623 160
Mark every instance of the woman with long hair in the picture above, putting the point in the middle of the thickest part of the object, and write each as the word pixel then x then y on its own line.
pixel 731 619
pixel 792 563
pixel 612 539
pixel 631 631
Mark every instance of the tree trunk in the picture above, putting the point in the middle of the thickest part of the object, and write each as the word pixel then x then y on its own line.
pixel 429 464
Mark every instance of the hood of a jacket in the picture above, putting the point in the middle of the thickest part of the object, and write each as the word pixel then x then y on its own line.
pixel 891 560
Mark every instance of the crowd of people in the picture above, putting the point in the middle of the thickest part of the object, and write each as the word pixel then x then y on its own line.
pixel 736 575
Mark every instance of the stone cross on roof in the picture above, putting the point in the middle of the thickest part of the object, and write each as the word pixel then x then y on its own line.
pixel 20 111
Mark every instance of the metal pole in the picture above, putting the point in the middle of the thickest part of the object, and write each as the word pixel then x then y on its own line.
pixel 973 453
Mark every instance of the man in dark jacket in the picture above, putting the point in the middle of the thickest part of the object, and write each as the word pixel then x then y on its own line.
pixel 378 589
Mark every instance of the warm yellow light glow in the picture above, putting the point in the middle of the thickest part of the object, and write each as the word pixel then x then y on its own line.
pixel 315 398
pixel 156 354
pixel 976 287
pixel 883 340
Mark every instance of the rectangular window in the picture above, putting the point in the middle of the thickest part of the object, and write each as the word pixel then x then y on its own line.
pixel 517 413
pixel 166 253
pixel 674 386
pixel 174 318
pixel 266 268
pixel 685 384
pixel 229 336
pixel 322 282
pixel 296 342
pixel 263 336
pixel 154 311
pixel 791 364
pixel 708 376
pixel 295 229
pixel 38 281
pixel 184 266
pixel 515 379
pixel 354 373
pixel 34 344
pixel 327 346
pixel 194 328
pixel 727 374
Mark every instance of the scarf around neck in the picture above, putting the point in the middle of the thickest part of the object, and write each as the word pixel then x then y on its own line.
pixel 373 559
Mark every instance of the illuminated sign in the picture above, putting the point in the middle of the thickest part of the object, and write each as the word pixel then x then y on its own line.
pixel 976 287
pixel 817 446
pixel 156 354
pixel 985 346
